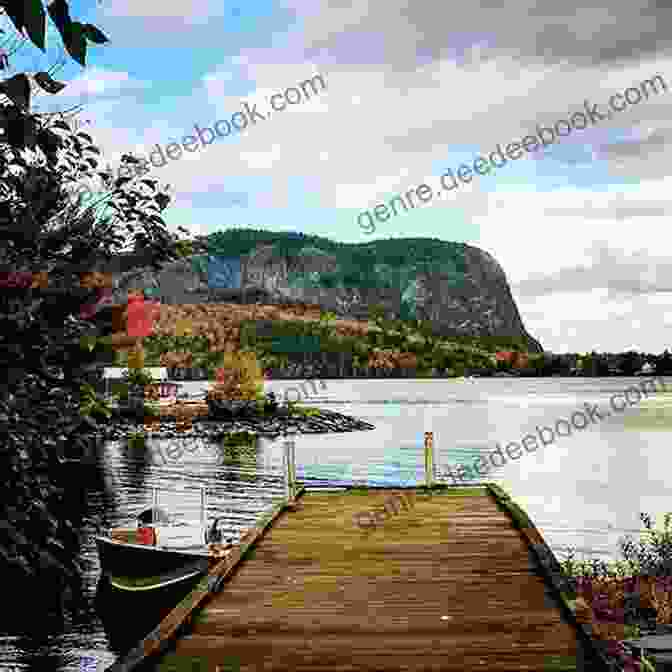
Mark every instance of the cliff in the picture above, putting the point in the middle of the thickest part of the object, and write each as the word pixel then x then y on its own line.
pixel 461 289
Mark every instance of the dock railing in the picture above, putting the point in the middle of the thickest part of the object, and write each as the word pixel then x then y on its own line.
pixel 429 459
pixel 289 468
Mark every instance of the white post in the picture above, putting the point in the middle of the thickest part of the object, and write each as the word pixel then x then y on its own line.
pixel 285 469
pixel 155 503
pixel 429 458
pixel 289 470
pixel 293 466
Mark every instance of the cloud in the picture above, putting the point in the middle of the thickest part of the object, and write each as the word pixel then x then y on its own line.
pixel 618 271
pixel 539 31
pixel 412 90
pixel 167 13
pixel 585 321
pixel 97 82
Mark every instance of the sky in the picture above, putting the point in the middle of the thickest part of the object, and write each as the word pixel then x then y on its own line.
pixel 413 89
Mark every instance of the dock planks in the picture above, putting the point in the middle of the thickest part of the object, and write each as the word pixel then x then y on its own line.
pixel 448 584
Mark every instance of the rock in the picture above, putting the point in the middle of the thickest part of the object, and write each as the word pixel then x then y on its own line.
pixel 466 293
pixel 206 427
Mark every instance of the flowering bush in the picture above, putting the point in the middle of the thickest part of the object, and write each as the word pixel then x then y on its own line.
pixel 653 553
pixel 16 279
pixel 616 599
pixel 240 378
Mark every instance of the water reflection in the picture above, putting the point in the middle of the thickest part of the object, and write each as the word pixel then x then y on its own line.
pixel 107 491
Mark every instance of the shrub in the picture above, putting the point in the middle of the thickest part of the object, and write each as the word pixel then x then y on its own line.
pixel 239 378
pixel 653 552
pixel 138 377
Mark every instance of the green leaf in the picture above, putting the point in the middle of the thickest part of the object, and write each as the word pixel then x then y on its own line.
pixel 62 125
pixel 60 15
pixel 94 35
pixel 17 89
pixel 121 181
pixel 36 20
pixel 16 12
pixel 75 42
pixel 47 84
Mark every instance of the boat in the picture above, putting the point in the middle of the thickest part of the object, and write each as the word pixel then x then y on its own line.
pixel 158 554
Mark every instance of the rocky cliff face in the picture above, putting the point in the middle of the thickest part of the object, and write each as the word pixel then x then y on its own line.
pixel 471 298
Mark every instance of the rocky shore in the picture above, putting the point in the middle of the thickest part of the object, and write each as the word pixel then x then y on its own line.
pixel 303 371
pixel 205 427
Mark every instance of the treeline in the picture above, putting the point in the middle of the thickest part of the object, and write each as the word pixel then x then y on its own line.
pixel 376 264
pixel 628 363
pixel 386 344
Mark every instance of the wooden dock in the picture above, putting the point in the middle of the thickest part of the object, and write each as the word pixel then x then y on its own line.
pixel 357 579
pixel 452 582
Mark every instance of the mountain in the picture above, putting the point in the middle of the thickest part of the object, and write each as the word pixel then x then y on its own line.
pixel 460 289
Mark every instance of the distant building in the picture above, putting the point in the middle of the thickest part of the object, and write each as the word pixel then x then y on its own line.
pixel 647 369
pixel 522 360
pixel 516 359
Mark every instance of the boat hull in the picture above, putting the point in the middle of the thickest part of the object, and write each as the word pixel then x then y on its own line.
pixel 135 568
pixel 128 616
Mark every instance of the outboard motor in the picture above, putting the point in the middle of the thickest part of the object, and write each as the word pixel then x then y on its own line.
pixel 214 535
pixel 153 516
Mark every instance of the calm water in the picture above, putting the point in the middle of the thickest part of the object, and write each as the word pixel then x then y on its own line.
pixel 583 490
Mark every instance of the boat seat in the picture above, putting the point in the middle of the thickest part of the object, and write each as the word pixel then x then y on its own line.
pixel 172 536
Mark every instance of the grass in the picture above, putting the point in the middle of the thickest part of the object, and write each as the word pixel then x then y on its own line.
pixel 619 568
pixel 560 664
pixel 306 411
pixel 519 517
pixel 239 439
pixel 651 414
pixel 464 492
pixel 649 419
pixel 437 489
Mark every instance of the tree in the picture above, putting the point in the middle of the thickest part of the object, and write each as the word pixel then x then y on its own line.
pixel 29 18
pixel 376 313
pixel 664 363
pixel 630 363
pixel 46 239
pixel 239 377
pixel 184 248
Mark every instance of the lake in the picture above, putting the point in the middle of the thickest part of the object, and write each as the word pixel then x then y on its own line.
pixel 584 490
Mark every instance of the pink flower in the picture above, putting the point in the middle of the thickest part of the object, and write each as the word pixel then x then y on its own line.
pixel 103 298
pixel 16 279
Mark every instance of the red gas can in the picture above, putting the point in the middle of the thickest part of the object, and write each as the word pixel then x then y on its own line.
pixel 140 316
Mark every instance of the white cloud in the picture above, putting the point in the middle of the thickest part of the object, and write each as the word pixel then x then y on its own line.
pixel 96 81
